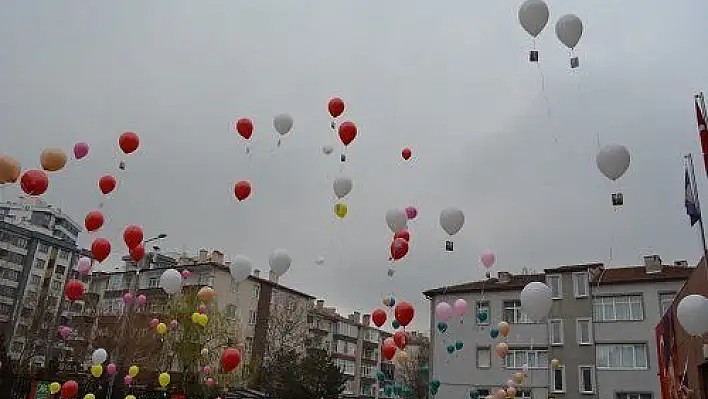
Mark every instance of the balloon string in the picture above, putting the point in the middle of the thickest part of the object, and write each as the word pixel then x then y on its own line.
pixel 545 96
pixel 583 102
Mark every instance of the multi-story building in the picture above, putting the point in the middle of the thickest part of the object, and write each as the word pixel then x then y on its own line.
pixel 36 215
pixel 354 344
pixel 600 329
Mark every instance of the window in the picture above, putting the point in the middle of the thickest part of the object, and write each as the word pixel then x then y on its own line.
pixel 35 279
pixel 484 357
pixel 622 356
pixel 230 311
pixel 56 285
pixel 43 248
pixel 583 328
pixel 60 270
pixel 63 254
pixel 347 348
pixel 234 287
pixel 580 284
pixel 249 344
pixel 21 242
pixel 558 379
pixel 5 309
pixel 524 394
pixel 251 317
pixel 534 358
pixel 153 282
pixel 42 219
pixel 9 274
pixel 587 379
pixel 513 314
pixel 347 366
pixel 39 264
pixel 627 395
pixel 666 299
pixel 483 306
pixel 554 282
pixel 256 291
pixel 115 282
pixel 366 370
pixel 555 332
pixel 619 308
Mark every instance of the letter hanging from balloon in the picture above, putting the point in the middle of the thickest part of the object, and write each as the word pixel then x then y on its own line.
pixel 451 220
pixel 533 17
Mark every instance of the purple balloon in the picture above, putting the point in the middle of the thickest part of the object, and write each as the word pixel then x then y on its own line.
pixel 128 380
pixel 80 150
pixel 411 212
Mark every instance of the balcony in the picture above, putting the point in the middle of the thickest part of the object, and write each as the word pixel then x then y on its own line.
pixel 319 327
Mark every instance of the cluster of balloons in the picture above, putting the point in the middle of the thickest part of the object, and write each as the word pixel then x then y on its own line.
pixel 341 186
pixel 397 221
pixel 347 130
pixel 394 346
pixel 443 313
pixel 533 16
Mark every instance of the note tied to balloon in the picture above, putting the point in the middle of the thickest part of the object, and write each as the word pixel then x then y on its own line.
pixel 448 246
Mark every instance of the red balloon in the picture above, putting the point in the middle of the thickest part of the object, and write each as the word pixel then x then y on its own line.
pixel 403 234
pixel 389 351
pixel 74 290
pixel 101 248
pixel 401 339
pixel 34 182
pixel 242 190
pixel 244 127
pixel 404 313
pixel 406 153
pixel 336 106
pixel 347 132
pixel 137 252
pixel 133 236
pixel 378 316
pixel 94 220
pixel 399 248
pixel 107 184
pixel 128 142
pixel 230 359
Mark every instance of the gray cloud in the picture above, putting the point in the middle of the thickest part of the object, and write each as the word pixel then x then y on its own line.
pixel 450 81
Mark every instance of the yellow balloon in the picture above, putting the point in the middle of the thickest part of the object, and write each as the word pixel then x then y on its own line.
pixel 54 387
pixel 161 328
pixel 555 363
pixel 195 318
pixel 164 379
pixel 96 370
pixel 130 397
pixel 89 396
pixel 340 210
pixel 133 371
pixel 203 319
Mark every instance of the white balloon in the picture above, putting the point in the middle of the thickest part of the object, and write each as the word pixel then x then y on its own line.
pixel 452 219
pixel 613 160
pixel 342 186
pixel 283 123
pixel 533 16
pixel 171 281
pixel 569 30
pixel 279 262
pixel 536 300
pixel 692 313
pixel 327 149
pixel 240 268
pixel 99 356
pixel 319 261
pixel 397 220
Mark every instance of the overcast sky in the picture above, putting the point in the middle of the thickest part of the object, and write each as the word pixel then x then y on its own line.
pixel 449 79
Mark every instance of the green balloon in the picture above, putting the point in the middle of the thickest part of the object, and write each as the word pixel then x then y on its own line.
pixel 459 345
pixel 395 323
pixel 380 375
pixel 450 348
pixel 482 315
pixel 442 326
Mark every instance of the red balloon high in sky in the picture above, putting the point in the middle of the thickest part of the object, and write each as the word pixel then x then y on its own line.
pixel 406 153
pixel 137 252
pixel 230 359
pixel 101 248
pixel 242 190
pixel 107 184
pixel 133 236
pixel 128 142
pixel 404 313
pixel 244 127
pixel 335 106
pixel 347 132
pixel 34 182
pixel 399 248
pixel 378 316
pixel 94 221
pixel 74 290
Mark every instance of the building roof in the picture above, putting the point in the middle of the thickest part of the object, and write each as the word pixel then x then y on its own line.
pixel 622 275
pixel 54 241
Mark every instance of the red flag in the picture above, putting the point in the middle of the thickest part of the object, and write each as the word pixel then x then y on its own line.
pixel 702 134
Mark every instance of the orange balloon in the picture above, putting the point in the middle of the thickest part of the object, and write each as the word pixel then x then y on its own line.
pixel 52 159
pixel 519 378
pixel 501 394
pixel 502 349
pixel 504 328
pixel 511 392
pixel 206 294
pixel 9 169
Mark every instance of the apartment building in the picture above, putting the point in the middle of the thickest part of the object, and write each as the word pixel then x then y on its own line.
pixel 354 344
pixel 36 215
pixel 600 328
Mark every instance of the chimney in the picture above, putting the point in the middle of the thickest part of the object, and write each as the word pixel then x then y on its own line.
pixel 366 320
pixel 356 316
pixel 257 273
pixel 272 276
pixel 217 257
pixel 227 263
pixel 320 303
pixel 652 263
pixel 504 277
pixel 203 255
pixel 681 263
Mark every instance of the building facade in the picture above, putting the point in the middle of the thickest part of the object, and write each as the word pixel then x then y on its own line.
pixel 36 215
pixel 599 329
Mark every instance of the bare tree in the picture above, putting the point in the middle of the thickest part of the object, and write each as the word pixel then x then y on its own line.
pixel 414 372
pixel 287 324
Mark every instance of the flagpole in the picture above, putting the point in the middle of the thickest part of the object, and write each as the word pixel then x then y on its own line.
pixel 702 100
pixel 694 186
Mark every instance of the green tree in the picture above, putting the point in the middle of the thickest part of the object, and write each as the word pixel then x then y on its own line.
pixel 288 374
pixel 321 378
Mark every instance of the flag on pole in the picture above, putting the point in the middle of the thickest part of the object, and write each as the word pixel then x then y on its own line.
pixel 690 201
pixel 702 134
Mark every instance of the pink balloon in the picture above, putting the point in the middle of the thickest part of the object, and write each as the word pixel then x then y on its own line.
pixel 207 370
pixel 142 299
pixel 84 266
pixel 511 383
pixel 111 368
pixel 202 309
pixel 128 380
pixel 174 324
pixel 411 212
pixel 154 323
pixel 127 298
pixel 460 307
pixel 210 382
pixel 80 150
pixel 488 259
pixel 64 332
pixel 186 273
pixel 443 311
